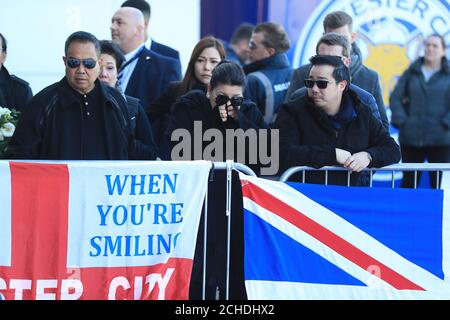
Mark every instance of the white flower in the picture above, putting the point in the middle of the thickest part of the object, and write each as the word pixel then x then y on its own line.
pixel 4 111
pixel 7 130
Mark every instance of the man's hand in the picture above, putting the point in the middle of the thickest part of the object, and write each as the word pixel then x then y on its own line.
pixel 358 162
pixel 342 155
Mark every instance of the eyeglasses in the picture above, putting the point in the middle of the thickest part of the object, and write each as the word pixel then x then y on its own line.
pixel 253 46
pixel 223 99
pixel 321 84
pixel 75 63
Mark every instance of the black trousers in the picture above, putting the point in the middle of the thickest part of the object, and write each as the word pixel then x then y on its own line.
pixel 438 154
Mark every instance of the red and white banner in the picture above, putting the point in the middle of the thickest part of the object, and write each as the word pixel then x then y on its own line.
pixel 99 230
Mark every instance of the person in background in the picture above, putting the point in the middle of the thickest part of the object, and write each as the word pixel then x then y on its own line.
pixel 269 72
pixel 111 58
pixel 77 118
pixel 420 105
pixel 151 44
pixel 365 78
pixel 237 49
pixel 14 92
pixel 330 126
pixel 145 74
pixel 206 55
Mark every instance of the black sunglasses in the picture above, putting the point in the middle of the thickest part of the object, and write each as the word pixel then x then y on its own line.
pixel 75 63
pixel 223 99
pixel 321 84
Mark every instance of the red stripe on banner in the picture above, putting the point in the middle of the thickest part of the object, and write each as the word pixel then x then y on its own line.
pixel 169 281
pixel 39 206
pixel 341 246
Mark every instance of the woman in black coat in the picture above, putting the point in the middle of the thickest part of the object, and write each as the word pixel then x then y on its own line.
pixel 221 108
pixel 207 53
pixel 420 105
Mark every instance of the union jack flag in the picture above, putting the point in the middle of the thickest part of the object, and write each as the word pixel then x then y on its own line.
pixel 330 242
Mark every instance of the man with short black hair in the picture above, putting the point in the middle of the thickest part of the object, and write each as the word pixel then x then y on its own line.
pixel 362 76
pixel 77 118
pixel 269 72
pixel 330 126
pixel 333 43
pixel 14 92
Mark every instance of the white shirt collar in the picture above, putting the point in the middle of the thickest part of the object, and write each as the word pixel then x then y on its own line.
pixel 131 54
pixel 148 43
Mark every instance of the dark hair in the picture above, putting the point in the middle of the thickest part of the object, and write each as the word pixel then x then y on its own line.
pixel 4 43
pixel 228 73
pixel 335 39
pixel 109 47
pixel 340 73
pixel 189 78
pixel 274 36
pixel 83 37
pixel 141 5
pixel 242 32
pixel 337 19
pixel 437 35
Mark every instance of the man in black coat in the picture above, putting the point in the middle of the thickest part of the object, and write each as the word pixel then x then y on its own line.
pixel 77 118
pixel 14 92
pixel 365 78
pixel 331 127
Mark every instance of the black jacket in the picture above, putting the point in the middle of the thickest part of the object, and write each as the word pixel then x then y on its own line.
pixel 52 126
pixel 309 138
pixel 195 106
pixel 145 148
pixel 425 120
pixel 360 75
pixel 14 92
pixel 159 114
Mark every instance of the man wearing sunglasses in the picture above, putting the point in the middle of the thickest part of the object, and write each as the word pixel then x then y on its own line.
pixel 335 44
pixel 331 126
pixel 77 118
pixel 365 78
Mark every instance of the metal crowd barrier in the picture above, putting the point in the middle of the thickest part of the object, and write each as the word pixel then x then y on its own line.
pixel 393 169
pixel 229 166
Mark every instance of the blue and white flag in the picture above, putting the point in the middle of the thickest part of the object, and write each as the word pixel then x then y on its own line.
pixel 331 242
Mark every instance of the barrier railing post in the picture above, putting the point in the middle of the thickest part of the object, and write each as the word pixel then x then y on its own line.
pixel 228 213
pixel 392 179
pixel 438 185
pixel 415 179
pixel 205 235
